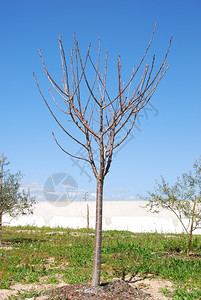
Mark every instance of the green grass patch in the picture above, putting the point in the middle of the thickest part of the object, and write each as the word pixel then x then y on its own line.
pixel 37 252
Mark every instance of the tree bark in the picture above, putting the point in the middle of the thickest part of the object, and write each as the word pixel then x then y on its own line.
pixel 98 234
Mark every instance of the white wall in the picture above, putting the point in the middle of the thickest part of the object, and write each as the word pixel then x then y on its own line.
pixel 120 215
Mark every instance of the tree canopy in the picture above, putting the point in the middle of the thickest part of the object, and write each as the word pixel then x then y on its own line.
pixel 179 197
pixel 13 199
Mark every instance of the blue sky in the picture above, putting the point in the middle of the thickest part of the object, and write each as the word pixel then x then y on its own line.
pixel 166 141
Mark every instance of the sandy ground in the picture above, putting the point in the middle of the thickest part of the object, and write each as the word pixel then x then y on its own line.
pixel 150 286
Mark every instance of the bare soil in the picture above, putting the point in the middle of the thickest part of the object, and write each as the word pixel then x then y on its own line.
pixel 132 288
pixel 115 290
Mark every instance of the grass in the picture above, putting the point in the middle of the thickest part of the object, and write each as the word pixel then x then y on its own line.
pixel 48 253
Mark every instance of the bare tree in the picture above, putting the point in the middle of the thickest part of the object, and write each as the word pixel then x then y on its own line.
pixel 99 117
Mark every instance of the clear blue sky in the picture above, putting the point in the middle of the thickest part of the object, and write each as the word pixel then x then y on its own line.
pixel 167 144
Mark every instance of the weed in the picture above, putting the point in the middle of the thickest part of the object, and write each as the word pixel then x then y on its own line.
pixel 24 295
pixel 186 294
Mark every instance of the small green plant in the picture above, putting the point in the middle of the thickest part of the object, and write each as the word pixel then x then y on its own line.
pixel 25 295
pixel 186 294
pixel 130 259
pixel 52 280
pixel 166 292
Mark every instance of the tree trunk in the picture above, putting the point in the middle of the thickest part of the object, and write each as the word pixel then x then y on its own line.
pixel 98 234
pixel 87 219
pixel 1 227
pixel 191 230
